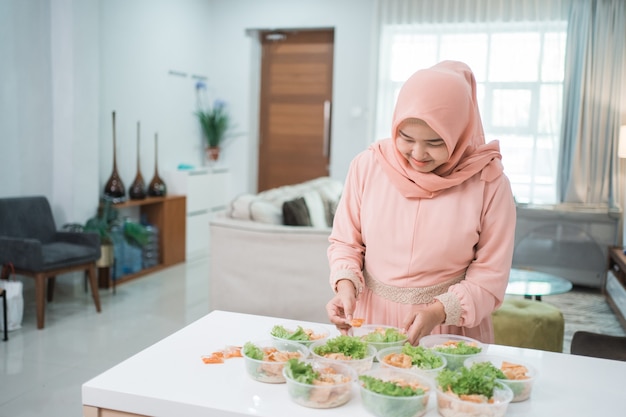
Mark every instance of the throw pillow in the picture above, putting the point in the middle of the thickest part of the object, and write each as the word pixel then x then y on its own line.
pixel 265 212
pixel 317 210
pixel 251 207
pixel 296 213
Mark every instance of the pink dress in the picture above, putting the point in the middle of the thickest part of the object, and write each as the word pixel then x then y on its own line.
pixel 452 242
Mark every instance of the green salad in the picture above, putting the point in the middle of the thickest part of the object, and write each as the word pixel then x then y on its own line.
pixel 282 333
pixel 384 335
pixel 422 357
pixel 393 398
pixel 301 371
pixel 458 348
pixel 253 351
pixel 480 379
pixel 390 388
pixel 351 346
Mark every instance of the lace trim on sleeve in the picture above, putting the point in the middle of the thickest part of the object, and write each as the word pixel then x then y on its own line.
pixel 452 306
pixel 350 276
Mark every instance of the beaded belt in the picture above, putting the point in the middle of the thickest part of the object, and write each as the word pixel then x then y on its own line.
pixel 402 295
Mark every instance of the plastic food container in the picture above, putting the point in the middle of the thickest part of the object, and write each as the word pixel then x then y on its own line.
pixel 277 352
pixel 335 391
pixel 297 333
pixel 450 405
pixel 382 405
pixel 520 374
pixel 359 365
pixel 444 345
pixel 416 359
pixel 378 335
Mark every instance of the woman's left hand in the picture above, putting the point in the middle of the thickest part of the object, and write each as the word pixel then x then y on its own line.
pixel 422 319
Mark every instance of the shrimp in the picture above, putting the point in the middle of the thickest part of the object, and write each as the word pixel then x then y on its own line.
pixel 398 360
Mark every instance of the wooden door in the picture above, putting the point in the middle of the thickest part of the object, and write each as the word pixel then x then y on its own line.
pixel 296 92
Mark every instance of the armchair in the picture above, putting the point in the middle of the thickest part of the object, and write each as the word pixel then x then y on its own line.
pixel 30 240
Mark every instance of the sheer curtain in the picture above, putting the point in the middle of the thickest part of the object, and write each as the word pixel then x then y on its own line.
pixel 594 82
pixel 517 51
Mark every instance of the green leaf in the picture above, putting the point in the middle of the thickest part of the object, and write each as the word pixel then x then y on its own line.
pixel 253 351
pixel 300 371
pixel 351 346
pixel 480 379
pixel 390 388
pixel 460 348
pixel 282 333
pixel 389 335
pixel 422 357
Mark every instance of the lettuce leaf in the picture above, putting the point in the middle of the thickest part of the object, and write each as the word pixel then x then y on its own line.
pixel 300 371
pixel 461 348
pixel 388 387
pixel 351 346
pixel 480 379
pixel 422 357
pixel 389 335
pixel 253 351
pixel 282 333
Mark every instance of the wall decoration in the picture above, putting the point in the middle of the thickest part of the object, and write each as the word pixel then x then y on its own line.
pixel 114 187
pixel 157 186
pixel 137 189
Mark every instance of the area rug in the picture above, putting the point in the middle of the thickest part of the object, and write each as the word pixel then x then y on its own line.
pixel 585 309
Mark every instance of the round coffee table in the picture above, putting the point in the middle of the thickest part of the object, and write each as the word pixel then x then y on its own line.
pixel 535 284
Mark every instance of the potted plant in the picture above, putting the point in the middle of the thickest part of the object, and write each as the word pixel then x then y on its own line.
pixel 214 122
pixel 104 223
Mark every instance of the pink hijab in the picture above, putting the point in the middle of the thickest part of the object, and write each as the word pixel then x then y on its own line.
pixel 444 96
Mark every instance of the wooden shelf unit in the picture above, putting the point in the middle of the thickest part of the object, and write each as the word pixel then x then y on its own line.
pixel 168 214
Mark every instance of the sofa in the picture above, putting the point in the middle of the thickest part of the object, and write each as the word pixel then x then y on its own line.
pixel 268 251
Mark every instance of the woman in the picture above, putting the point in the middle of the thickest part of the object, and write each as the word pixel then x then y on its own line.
pixel 422 238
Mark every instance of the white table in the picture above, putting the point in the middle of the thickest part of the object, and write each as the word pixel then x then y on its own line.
pixel 170 379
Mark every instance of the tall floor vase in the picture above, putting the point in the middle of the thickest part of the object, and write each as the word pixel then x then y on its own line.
pixel 114 187
pixel 157 186
pixel 137 189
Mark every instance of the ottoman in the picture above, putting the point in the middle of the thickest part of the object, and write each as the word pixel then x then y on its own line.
pixel 529 324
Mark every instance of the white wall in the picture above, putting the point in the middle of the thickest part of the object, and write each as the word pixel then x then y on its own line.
pixel 49 103
pixel 142 42
pixel 67 64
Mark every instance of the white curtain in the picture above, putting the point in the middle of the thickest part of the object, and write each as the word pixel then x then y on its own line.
pixel 594 82
pixel 451 11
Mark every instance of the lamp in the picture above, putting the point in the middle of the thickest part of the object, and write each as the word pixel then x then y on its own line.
pixel 621 150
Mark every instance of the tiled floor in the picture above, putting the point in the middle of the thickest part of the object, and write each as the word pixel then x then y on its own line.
pixel 41 371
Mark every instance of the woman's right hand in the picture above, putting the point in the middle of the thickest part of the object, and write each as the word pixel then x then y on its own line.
pixel 341 307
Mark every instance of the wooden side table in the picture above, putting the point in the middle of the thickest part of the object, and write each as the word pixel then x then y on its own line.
pixel 614 287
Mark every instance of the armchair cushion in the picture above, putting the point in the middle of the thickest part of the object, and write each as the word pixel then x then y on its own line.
pixel 29 240
pixel 27 217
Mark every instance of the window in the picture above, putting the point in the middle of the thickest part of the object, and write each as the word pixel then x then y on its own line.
pixel 519 69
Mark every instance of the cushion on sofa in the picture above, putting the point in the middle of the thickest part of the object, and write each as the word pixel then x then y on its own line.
pixel 296 213
pixel 251 207
pixel 320 196
pixel 308 210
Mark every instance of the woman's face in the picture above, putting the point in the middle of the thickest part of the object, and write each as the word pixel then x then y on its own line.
pixel 421 146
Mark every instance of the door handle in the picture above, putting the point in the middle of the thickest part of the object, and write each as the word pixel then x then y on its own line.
pixel 326 144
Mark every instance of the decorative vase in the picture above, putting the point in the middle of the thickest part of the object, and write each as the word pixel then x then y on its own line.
pixel 213 153
pixel 137 189
pixel 114 187
pixel 157 186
